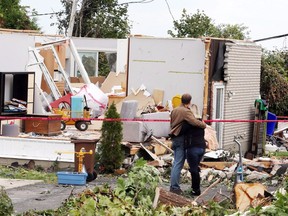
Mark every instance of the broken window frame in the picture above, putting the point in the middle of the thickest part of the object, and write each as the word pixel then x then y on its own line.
pixel 89 53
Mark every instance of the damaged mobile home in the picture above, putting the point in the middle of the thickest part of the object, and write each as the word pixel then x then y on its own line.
pixel 223 77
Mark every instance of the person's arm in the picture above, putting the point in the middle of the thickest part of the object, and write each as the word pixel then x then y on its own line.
pixel 190 118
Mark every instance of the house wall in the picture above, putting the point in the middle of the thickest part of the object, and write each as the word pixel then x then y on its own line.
pixel 14 51
pixel 175 66
pixel 14 54
pixel 242 74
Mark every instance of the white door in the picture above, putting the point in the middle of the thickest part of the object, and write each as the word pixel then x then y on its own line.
pixel 218 110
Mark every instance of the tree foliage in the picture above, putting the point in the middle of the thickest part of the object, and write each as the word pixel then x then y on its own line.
pixel 236 31
pixel 200 25
pixel 274 84
pixel 97 19
pixel 14 16
pixel 6 205
pixel 111 154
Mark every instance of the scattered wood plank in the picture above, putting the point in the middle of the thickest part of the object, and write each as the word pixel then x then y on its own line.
pixel 219 165
pixel 156 163
pixel 152 155
pixel 143 102
pixel 134 150
pixel 168 198
pixel 158 96
pixel 162 144
pixel 207 189
pixel 159 149
pixel 257 169
pixel 264 164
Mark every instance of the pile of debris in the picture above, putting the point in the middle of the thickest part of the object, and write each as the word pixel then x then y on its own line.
pixel 277 142
pixel 15 105
pixel 259 175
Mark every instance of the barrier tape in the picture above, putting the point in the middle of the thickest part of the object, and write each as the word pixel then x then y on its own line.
pixel 133 120
pixel 282 117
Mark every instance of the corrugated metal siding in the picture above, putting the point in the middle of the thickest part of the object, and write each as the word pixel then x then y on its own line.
pixel 242 73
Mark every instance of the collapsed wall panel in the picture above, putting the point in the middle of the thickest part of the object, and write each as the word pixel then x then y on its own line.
pixel 174 65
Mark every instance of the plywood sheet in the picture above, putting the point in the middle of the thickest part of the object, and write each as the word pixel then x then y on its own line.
pixel 49 62
pixel 113 80
pixel 158 96
pixel 143 102
pixel 61 52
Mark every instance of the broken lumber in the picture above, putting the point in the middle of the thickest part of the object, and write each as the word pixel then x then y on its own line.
pixel 153 156
pixel 134 150
pixel 168 198
pixel 207 189
pixel 159 149
pixel 219 165
pixel 158 96
pixel 156 163
pixel 258 169
pixel 162 144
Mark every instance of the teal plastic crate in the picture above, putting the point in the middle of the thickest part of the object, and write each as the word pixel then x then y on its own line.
pixel 71 178
pixel 77 106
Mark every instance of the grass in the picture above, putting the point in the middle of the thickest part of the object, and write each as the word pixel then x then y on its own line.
pixel 22 173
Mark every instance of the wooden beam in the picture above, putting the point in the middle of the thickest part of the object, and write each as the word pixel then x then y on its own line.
pixel 206 78
pixel 162 144
pixel 153 156
pixel 207 189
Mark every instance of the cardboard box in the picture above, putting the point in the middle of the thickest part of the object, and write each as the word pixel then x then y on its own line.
pixel 71 178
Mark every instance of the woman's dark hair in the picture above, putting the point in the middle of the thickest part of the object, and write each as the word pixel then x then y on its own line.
pixel 186 98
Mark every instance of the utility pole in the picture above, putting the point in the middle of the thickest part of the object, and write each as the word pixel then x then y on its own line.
pixel 72 18
pixel 70 31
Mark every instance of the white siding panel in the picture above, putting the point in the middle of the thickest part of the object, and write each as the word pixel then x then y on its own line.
pixel 242 68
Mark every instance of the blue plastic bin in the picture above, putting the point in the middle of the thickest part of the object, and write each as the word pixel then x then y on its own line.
pixel 71 178
pixel 271 125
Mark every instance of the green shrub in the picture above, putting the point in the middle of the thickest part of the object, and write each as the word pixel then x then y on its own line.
pixel 6 206
pixel 110 152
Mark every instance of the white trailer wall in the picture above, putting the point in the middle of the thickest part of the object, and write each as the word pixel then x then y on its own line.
pixel 173 65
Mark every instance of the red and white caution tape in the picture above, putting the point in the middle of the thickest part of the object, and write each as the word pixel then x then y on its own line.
pixel 133 120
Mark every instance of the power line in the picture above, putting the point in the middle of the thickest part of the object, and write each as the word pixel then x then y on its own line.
pixel 138 2
pixel 44 14
pixel 269 38
pixel 169 10
pixel 131 2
